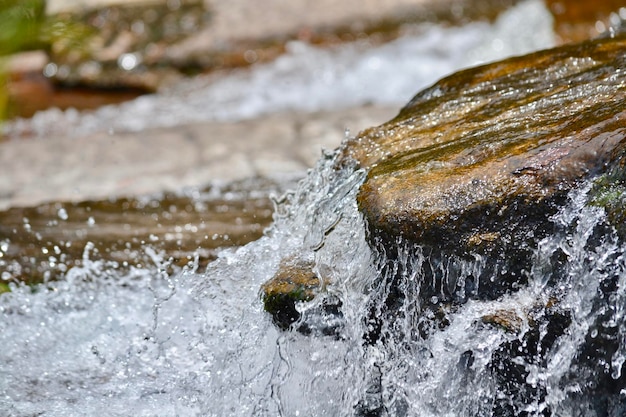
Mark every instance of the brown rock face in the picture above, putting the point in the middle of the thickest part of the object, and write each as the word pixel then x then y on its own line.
pixel 479 161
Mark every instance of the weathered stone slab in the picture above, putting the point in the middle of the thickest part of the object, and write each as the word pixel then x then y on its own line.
pixel 478 162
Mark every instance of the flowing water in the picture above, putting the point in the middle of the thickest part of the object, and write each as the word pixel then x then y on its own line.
pixel 310 78
pixel 146 341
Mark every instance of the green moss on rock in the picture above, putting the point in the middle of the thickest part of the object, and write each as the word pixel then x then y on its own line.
pixel 609 193
pixel 294 282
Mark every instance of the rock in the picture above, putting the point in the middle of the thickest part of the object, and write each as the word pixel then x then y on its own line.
pixel 121 44
pixel 191 227
pixel 149 44
pixel 463 184
pixel 294 282
pixel 575 21
pixel 476 164
pixel 508 320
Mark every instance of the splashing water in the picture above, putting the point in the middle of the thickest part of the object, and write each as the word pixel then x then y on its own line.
pixel 100 343
pixel 147 343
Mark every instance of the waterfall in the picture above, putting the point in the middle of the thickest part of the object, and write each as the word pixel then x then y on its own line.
pixel 147 342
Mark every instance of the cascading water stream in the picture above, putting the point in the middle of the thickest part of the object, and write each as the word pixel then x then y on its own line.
pixel 148 343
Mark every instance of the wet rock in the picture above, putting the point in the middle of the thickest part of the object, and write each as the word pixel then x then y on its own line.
pixel 121 45
pixel 297 282
pixel 43 242
pixel 506 319
pixel 463 184
pixel 476 164
pixel 575 21
pixel 149 44
pixel 294 282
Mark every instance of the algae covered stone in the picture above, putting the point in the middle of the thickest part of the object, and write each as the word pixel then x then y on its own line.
pixel 294 282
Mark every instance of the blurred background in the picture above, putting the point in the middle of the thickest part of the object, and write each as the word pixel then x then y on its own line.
pixel 171 123
pixel 83 54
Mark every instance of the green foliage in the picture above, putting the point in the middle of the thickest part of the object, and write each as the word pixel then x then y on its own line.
pixel 20 21
pixel 4 96
pixel 4 287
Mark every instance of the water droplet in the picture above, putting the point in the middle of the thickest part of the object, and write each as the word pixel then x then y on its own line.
pixel 50 70
pixel 128 61
pixel 62 213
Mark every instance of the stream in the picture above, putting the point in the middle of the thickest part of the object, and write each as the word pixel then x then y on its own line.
pixel 160 340
pixel 147 342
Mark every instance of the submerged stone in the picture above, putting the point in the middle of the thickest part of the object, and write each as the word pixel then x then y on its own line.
pixel 294 283
pixel 477 163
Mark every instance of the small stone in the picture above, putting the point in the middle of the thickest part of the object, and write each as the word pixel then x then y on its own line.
pixel 294 282
pixel 507 319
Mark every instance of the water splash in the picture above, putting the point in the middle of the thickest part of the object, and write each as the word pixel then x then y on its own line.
pixel 149 342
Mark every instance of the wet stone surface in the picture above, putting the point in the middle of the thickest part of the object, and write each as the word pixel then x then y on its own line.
pixel 477 163
pixel 294 282
pixel 123 44
pixel 186 229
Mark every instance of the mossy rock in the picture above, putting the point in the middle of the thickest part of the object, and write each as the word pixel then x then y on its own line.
pixel 609 193
pixel 294 282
